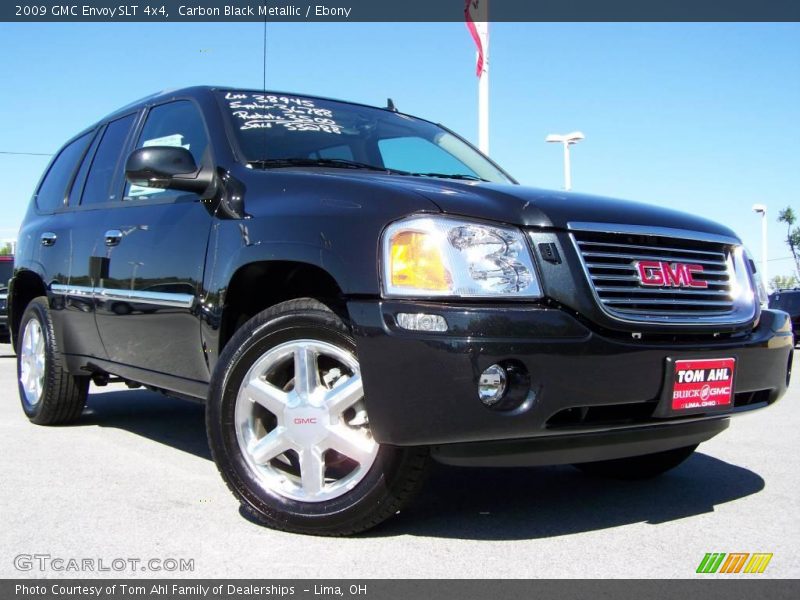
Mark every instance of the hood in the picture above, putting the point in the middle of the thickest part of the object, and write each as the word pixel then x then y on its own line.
pixel 534 207
pixel 505 203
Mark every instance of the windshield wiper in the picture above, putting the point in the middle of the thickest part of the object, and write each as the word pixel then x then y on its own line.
pixel 337 163
pixel 341 163
pixel 463 176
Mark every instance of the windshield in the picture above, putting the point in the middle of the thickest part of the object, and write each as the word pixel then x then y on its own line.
pixel 277 131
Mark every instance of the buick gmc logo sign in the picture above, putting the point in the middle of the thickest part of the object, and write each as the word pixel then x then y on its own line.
pixel 656 273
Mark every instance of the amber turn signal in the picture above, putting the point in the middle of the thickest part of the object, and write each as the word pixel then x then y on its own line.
pixel 416 262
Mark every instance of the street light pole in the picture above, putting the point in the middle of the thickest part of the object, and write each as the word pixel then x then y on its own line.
pixel 566 141
pixel 761 209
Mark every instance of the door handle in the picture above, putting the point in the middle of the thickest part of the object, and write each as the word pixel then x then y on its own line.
pixel 113 237
pixel 48 238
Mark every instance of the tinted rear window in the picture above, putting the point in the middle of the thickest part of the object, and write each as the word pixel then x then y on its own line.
pixel 6 270
pixel 54 186
pixel 789 302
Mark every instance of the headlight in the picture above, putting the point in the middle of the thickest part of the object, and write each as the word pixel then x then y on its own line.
pixel 443 256
pixel 763 296
pixel 761 289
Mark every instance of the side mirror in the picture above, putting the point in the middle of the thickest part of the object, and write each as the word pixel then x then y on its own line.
pixel 167 167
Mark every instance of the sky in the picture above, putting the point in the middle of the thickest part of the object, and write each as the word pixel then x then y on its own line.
pixel 703 118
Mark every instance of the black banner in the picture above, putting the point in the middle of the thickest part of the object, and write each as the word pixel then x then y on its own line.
pixel 154 11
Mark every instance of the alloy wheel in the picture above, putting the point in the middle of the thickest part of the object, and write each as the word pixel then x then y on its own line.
pixel 32 362
pixel 301 421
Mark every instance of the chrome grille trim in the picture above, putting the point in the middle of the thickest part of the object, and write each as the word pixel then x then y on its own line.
pixel 662 303
pixel 667 232
pixel 608 254
pixel 705 292
pixel 663 249
pixel 652 257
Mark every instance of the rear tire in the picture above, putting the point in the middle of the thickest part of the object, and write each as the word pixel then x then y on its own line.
pixel 288 427
pixel 50 395
pixel 638 467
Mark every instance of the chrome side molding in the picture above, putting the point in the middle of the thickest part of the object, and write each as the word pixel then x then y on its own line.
pixel 164 299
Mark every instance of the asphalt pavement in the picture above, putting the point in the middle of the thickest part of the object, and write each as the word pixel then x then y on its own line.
pixel 133 480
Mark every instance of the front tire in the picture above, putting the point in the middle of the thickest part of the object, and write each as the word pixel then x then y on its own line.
pixel 288 427
pixel 638 467
pixel 50 395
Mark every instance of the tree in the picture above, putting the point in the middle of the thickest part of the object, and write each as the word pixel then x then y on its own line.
pixel 792 235
pixel 6 250
pixel 783 282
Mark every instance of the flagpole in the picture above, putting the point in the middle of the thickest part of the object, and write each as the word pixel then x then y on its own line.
pixel 476 15
pixel 483 90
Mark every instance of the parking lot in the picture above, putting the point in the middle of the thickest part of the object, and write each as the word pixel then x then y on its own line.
pixel 134 479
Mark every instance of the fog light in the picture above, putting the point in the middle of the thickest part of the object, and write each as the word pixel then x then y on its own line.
pixel 492 385
pixel 421 322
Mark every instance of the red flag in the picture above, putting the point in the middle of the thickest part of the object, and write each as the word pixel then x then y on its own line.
pixel 469 7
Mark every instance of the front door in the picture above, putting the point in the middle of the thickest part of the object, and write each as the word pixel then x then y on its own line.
pixel 153 258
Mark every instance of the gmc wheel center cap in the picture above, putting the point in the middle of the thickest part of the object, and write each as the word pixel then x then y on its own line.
pixel 306 425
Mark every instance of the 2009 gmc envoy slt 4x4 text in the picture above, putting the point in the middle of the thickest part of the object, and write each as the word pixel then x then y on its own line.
pixel 353 291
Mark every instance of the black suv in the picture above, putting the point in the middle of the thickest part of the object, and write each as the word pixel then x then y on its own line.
pixel 788 301
pixel 6 270
pixel 353 290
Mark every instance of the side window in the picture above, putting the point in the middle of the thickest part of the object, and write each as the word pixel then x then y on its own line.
pixel 418 155
pixel 54 185
pixel 174 124
pixel 80 177
pixel 106 161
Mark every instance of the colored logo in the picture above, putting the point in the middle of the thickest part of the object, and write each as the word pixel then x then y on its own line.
pixel 735 562
pixel 702 383
pixel 656 273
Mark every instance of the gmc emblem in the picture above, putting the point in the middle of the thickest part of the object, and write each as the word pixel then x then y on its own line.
pixel 305 420
pixel 655 273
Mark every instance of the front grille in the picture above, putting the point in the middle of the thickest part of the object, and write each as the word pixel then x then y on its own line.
pixel 610 261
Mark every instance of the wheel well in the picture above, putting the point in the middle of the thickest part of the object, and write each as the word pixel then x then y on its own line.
pixel 27 286
pixel 258 286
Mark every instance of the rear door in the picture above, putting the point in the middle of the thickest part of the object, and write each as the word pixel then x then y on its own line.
pixel 52 243
pixel 46 235
pixel 88 200
pixel 155 245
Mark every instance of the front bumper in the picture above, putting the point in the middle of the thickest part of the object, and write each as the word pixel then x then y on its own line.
pixel 422 388
pixel 618 442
